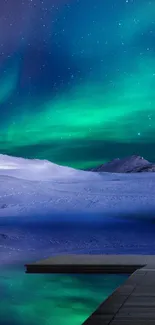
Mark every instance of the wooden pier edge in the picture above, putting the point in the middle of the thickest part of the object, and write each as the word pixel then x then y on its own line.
pixel 133 303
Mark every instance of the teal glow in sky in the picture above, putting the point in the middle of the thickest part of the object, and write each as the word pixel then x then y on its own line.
pixel 77 80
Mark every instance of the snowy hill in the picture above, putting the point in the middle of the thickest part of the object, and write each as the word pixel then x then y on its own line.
pixel 35 187
pixel 35 169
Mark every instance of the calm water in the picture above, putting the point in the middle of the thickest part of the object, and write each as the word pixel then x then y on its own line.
pixel 51 299
pixel 32 299
pixel 61 299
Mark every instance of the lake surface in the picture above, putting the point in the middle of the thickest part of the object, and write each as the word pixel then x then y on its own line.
pixel 32 299
pixel 35 299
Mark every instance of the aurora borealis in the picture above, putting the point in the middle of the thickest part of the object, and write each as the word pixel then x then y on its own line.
pixel 77 79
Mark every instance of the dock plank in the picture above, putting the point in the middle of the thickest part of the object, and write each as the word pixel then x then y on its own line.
pixel 133 308
pixel 91 264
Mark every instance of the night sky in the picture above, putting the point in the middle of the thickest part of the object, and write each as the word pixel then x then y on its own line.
pixel 77 80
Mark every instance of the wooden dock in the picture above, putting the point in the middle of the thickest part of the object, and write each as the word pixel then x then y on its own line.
pixel 133 303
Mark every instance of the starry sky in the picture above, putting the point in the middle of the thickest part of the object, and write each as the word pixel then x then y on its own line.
pixel 77 80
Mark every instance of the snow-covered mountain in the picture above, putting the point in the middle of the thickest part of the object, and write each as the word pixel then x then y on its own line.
pixel 38 187
pixel 131 164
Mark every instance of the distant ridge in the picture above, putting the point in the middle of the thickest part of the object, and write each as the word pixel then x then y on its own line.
pixel 131 164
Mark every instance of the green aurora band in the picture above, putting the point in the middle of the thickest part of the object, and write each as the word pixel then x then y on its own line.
pixel 99 117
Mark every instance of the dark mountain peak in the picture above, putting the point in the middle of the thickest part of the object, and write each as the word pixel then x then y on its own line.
pixel 131 164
